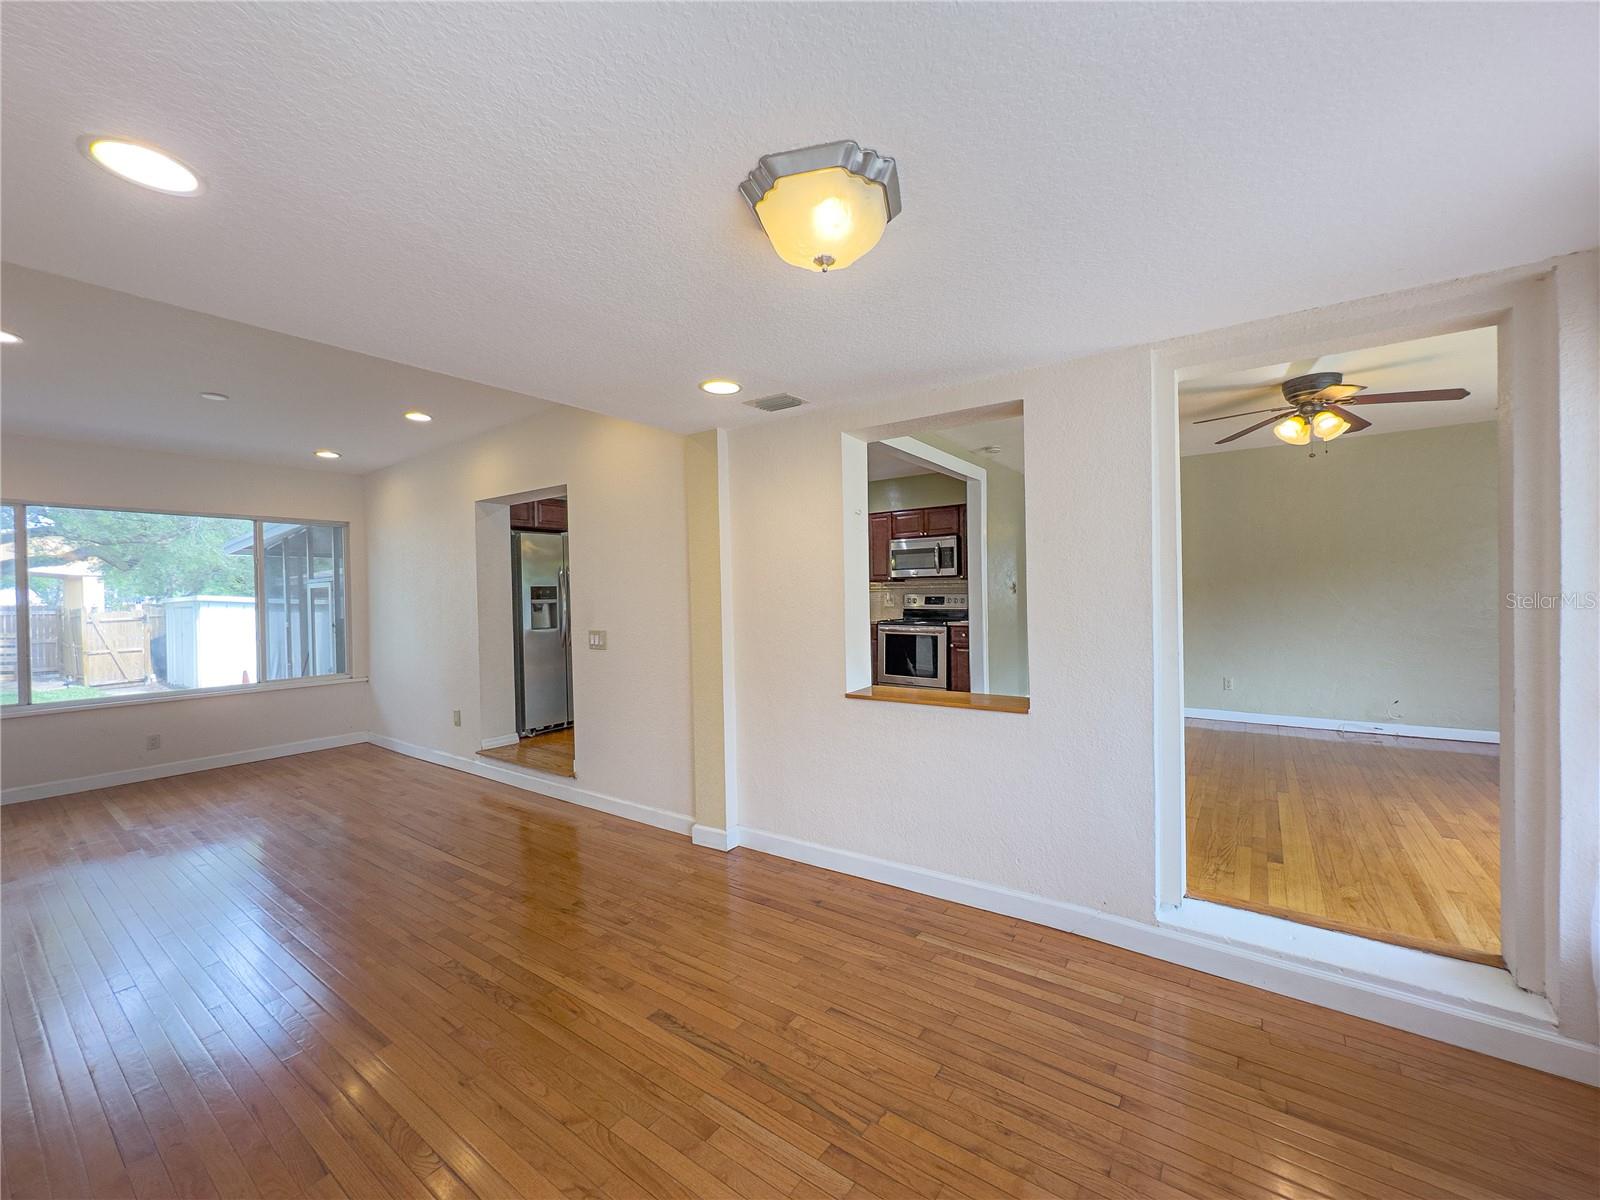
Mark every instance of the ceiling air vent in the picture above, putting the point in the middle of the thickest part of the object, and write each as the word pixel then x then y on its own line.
pixel 776 403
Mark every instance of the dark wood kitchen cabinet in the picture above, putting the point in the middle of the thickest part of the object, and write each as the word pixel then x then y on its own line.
pixel 944 520
pixel 878 538
pixel 908 522
pixel 540 516
pixel 960 674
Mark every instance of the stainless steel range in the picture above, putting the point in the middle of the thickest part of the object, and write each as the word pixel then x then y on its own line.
pixel 914 649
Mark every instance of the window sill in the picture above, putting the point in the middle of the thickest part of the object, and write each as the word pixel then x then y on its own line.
pixel 977 701
pixel 11 711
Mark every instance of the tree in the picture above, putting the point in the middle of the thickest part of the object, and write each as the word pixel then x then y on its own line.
pixel 145 556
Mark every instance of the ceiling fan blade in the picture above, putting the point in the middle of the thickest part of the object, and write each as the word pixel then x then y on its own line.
pixel 1232 437
pixel 1253 413
pixel 1411 397
pixel 1357 421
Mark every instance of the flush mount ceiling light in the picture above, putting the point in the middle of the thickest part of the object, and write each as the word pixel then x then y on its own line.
pixel 719 387
pixel 328 454
pixel 417 415
pixel 141 164
pixel 824 206
pixel 218 397
pixel 8 339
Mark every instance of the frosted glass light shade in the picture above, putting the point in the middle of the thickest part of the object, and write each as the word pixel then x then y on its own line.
pixel 825 206
pixel 1295 430
pixel 823 220
pixel 1328 425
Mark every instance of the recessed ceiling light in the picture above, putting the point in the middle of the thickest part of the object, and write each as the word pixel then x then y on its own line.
pixel 218 396
pixel 141 164
pixel 328 454
pixel 719 387
pixel 8 339
pixel 418 416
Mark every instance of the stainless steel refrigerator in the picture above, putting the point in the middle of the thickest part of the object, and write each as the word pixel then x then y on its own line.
pixel 542 586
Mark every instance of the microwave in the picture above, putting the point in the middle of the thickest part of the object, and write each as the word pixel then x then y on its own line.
pixel 925 557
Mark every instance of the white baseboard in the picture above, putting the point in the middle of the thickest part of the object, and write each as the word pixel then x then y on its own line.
pixel 545 785
pixel 1498 1020
pixel 495 743
pixel 185 766
pixel 712 836
pixel 1438 732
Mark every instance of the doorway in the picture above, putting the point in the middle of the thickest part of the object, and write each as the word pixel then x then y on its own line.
pixel 541 643
pixel 1341 688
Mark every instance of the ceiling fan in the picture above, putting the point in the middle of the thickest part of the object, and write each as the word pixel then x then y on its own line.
pixel 1319 403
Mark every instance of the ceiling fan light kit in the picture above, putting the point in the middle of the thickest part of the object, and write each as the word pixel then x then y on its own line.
pixel 1315 404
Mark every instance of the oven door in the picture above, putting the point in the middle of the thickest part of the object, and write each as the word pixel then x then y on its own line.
pixel 924 557
pixel 913 655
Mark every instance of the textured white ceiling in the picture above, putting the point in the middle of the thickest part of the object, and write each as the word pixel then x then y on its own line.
pixel 1466 359
pixel 102 366
pixel 542 197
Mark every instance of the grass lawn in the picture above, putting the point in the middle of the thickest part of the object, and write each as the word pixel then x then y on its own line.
pixel 60 695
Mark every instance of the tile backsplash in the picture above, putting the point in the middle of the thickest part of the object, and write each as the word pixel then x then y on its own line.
pixel 888 599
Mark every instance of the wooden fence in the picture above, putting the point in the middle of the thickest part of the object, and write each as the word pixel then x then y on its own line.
pixel 44 638
pixel 103 649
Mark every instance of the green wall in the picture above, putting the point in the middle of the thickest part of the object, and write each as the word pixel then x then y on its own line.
pixel 1359 585
pixel 915 491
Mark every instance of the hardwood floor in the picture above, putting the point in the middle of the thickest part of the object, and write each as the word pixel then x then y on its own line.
pixel 1393 838
pixel 350 973
pixel 551 752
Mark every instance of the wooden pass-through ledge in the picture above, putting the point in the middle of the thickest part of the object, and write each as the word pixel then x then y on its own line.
pixel 981 701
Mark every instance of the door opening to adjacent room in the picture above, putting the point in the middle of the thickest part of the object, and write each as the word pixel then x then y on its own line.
pixel 1341 656
pixel 541 646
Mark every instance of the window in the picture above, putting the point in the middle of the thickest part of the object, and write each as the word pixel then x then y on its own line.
pixel 303 579
pixel 125 604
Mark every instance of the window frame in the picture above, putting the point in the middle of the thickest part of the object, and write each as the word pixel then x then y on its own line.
pixel 263 684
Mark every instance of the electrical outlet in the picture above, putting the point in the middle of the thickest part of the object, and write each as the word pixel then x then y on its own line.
pixel 455 717
pixel 152 741
pixel 597 639
pixel 888 599
pixel 1227 683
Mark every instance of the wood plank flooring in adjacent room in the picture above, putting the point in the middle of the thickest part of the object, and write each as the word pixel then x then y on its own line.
pixel 350 973
pixel 1392 838
pixel 552 752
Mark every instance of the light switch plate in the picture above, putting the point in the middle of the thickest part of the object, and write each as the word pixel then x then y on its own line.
pixel 597 639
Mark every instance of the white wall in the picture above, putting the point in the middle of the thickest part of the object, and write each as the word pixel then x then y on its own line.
pixel 1056 802
pixel 1360 585
pixel 629 562
pixel 43 748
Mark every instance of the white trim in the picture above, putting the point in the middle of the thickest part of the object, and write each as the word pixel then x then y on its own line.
pixel 13 711
pixel 1437 732
pixel 495 743
pixel 1464 1004
pixel 716 839
pixel 185 766
pixel 530 780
